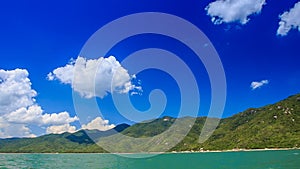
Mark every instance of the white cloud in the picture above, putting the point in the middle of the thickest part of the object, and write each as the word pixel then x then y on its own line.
pixel 64 74
pixel 233 10
pixel 18 107
pixel 83 75
pixel 15 90
pixel 61 129
pixel 14 130
pixel 99 124
pixel 58 118
pixel 31 114
pixel 255 85
pixel 289 20
pixel 34 115
pixel 19 110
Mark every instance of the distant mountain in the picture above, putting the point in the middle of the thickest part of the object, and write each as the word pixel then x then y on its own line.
pixel 80 141
pixel 271 126
pixel 89 136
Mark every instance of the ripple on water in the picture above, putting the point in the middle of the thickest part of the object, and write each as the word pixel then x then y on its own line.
pixel 245 160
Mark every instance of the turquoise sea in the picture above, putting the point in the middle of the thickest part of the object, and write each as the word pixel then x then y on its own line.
pixel 285 159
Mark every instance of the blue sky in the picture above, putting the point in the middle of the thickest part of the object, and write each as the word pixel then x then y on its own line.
pixel 43 36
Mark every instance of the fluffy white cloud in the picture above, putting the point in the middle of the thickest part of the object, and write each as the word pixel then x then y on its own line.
pixel 64 74
pixel 61 129
pixel 34 115
pixel 31 114
pixel 18 107
pixel 289 20
pixel 99 124
pixel 233 10
pixel 15 90
pixel 58 118
pixel 14 130
pixel 95 77
pixel 255 85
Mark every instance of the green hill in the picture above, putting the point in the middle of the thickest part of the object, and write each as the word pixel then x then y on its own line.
pixel 271 126
pixel 80 141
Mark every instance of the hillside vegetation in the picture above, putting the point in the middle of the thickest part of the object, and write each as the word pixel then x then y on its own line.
pixel 271 126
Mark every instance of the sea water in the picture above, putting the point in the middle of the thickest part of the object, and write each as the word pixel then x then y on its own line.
pixel 281 159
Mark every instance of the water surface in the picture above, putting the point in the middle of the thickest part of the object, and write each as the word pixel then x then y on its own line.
pixel 283 159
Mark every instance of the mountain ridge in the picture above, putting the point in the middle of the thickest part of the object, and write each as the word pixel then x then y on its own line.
pixel 271 126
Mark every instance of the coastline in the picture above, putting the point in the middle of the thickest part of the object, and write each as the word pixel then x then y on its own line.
pixel 176 152
pixel 237 150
